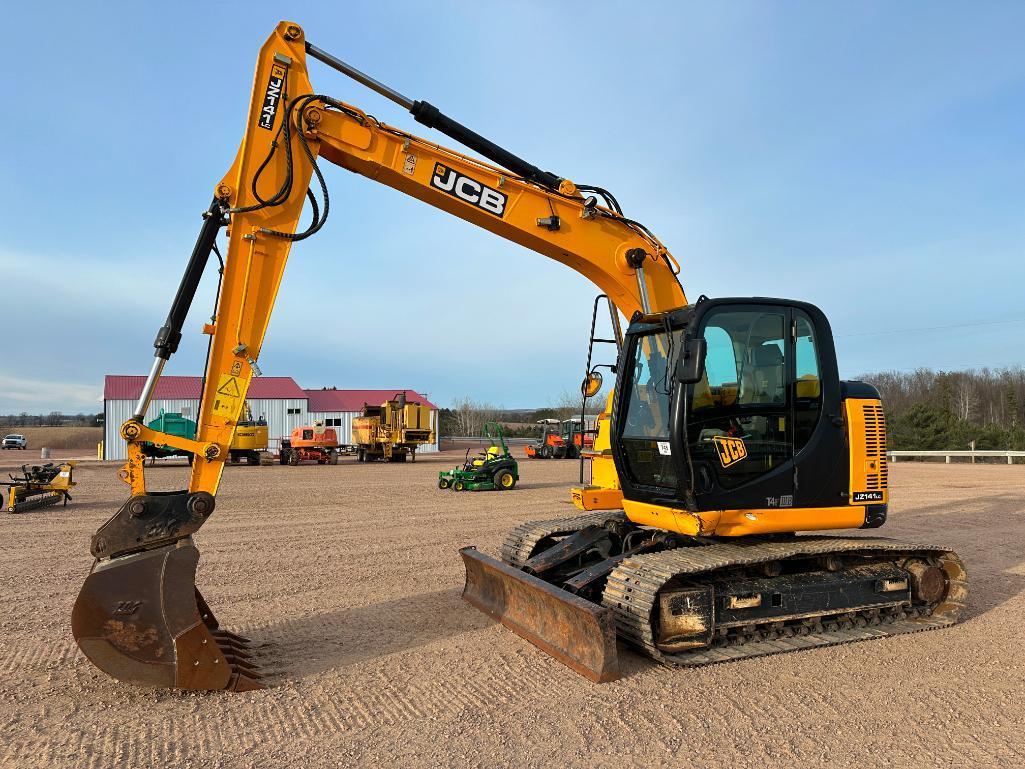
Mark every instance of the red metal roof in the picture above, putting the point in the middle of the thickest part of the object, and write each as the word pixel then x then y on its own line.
pixel 353 400
pixel 116 387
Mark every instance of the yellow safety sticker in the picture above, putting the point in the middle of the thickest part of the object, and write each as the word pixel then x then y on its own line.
pixel 228 398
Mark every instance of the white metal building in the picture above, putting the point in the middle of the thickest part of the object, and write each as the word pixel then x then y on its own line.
pixel 339 407
pixel 278 399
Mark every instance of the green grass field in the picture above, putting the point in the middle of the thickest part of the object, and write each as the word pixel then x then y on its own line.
pixel 58 437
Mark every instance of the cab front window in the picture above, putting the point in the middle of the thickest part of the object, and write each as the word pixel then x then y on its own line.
pixel 646 422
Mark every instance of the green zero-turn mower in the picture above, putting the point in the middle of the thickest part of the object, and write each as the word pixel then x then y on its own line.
pixel 494 469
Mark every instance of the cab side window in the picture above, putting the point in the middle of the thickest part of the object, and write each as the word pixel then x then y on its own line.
pixel 808 386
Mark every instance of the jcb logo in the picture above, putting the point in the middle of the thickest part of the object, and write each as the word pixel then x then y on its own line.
pixel 730 450
pixel 468 190
pixel 127 607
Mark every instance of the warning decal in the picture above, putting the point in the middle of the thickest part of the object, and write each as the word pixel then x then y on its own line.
pixel 227 403
pixel 229 387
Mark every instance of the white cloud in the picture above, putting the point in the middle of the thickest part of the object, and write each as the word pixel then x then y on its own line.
pixel 70 280
pixel 34 395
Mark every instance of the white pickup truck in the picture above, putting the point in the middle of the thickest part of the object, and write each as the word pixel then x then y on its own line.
pixel 13 441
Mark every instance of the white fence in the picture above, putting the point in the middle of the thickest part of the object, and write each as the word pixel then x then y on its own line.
pixel 483 441
pixel 1010 455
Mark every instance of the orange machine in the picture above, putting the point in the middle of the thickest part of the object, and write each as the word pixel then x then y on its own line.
pixel 559 440
pixel 314 443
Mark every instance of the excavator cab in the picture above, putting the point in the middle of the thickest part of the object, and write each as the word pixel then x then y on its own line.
pixel 745 427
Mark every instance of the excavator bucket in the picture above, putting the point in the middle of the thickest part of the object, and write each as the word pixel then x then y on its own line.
pixel 578 633
pixel 140 619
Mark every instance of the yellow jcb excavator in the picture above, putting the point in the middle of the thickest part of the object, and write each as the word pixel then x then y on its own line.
pixel 729 431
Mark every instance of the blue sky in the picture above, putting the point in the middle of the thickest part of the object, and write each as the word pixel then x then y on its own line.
pixel 867 157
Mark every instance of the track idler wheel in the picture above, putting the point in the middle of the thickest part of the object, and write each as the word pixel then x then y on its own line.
pixel 928 582
pixel 140 619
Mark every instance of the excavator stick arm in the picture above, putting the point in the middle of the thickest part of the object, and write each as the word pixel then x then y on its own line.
pixel 136 615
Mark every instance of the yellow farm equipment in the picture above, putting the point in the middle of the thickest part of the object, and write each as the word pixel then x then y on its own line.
pixel 392 431
pixel 39 486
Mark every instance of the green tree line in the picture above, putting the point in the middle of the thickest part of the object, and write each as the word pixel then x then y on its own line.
pixel 935 410
pixel 467 415
pixel 53 419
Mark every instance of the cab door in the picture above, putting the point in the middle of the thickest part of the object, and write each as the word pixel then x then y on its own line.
pixel 740 421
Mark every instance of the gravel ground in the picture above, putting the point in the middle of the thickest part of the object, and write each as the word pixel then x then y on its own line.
pixel 350 577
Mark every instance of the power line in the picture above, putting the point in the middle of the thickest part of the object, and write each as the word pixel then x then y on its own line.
pixel 933 328
pixel 947 368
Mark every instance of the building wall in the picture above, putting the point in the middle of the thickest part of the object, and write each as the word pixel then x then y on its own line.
pixel 275 411
pixel 344 430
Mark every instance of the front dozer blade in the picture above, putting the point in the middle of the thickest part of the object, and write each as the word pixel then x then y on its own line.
pixel 140 619
pixel 576 632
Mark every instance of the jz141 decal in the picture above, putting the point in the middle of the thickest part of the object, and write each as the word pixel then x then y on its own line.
pixel 868 496
pixel 469 190
pixel 272 96
pixel 730 450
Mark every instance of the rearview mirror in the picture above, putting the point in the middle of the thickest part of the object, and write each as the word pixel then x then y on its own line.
pixel 591 384
pixel 691 364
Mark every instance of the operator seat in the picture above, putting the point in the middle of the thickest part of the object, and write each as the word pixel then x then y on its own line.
pixel 492 453
pixel 765 380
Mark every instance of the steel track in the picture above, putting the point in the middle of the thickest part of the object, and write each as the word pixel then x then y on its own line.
pixel 632 589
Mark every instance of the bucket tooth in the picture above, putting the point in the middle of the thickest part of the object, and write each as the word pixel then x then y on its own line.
pixel 229 648
pixel 241 664
pixel 234 637
pixel 243 683
pixel 256 675
pixel 576 632
pixel 228 643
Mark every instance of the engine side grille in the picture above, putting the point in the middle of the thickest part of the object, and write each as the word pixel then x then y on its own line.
pixel 875 446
